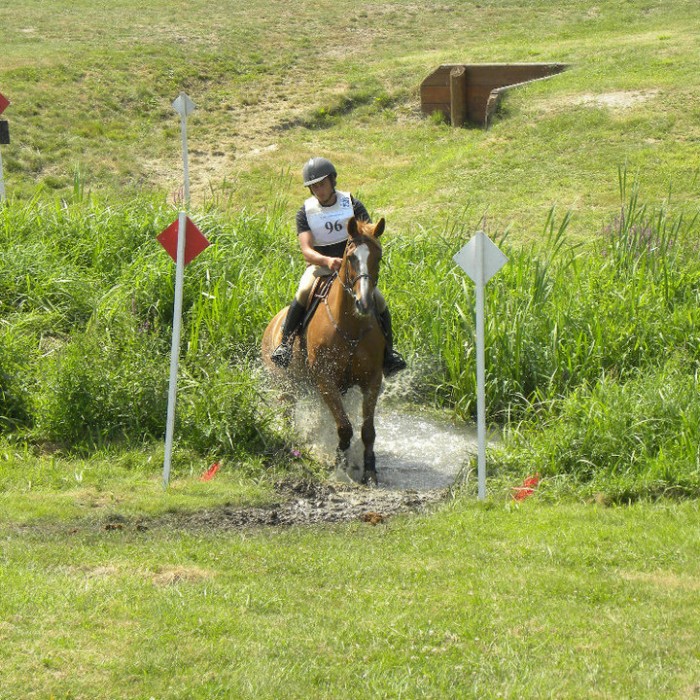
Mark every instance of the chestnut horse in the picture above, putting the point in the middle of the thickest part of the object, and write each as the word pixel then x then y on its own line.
pixel 343 344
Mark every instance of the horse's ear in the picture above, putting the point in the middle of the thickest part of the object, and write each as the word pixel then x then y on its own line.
pixel 352 227
pixel 379 228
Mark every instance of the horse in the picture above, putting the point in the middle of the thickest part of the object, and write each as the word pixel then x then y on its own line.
pixel 342 344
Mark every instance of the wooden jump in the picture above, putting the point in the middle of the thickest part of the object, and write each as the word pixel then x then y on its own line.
pixel 470 93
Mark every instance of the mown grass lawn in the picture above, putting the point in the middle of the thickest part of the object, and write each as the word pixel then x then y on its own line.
pixel 540 600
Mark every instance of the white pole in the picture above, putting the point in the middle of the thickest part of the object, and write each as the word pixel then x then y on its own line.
pixel 175 347
pixel 2 181
pixel 185 164
pixel 481 260
pixel 184 106
pixel 480 367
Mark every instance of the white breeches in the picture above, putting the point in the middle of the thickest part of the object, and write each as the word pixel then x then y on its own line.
pixel 307 282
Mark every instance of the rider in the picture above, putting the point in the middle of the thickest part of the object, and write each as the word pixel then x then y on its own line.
pixel 322 233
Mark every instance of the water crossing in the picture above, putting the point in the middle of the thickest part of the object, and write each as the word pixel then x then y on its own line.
pixel 414 451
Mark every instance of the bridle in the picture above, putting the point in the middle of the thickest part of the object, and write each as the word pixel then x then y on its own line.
pixel 348 286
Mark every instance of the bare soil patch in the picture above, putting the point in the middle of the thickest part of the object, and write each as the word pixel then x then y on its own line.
pixel 615 100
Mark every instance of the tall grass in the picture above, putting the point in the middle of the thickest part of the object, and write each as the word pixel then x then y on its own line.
pixel 558 316
pixel 87 296
pixel 576 334
pixel 617 441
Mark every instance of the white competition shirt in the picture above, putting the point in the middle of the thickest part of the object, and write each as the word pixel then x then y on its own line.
pixel 329 225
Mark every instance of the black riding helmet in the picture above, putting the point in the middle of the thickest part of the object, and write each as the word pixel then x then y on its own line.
pixel 316 169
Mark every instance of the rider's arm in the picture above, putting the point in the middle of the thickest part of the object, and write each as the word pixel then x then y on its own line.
pixel 312 256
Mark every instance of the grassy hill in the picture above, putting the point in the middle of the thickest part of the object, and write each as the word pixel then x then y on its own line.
pixel 274 82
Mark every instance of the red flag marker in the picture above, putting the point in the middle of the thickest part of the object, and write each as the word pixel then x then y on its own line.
pixel 4 102
pixel 209 473
pixel 195 241
pixel 527 489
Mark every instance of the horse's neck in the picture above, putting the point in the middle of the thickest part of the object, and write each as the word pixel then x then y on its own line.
pixel 338 299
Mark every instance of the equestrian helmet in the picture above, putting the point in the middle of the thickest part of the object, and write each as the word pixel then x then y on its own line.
pixel 316 169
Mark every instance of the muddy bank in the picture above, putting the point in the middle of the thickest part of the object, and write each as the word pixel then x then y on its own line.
pixel 305 503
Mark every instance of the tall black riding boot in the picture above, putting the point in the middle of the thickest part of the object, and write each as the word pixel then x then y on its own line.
pixel 282 354
pixel 393 362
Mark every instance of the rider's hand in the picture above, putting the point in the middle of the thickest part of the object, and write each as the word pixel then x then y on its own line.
pixel 334 263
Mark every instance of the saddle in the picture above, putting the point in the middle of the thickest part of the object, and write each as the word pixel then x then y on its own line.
pixel 320 290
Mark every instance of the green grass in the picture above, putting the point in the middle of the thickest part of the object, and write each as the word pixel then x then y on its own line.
pixel 565 601
pixel 87 280
pixel 587 181
pixel 43 486
pixel 270 92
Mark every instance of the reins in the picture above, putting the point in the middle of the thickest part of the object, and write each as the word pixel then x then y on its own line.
pixel 352 342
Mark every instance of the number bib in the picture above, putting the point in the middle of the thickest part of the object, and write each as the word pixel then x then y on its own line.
pixel 329 225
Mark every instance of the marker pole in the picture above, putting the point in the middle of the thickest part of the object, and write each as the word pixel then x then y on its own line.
pixel 480 368
pixel 480 259
pixel 2 181
pixel 175 346
pixel 183 106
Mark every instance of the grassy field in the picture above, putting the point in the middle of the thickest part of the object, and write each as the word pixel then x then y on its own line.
pixel 588 182
pixel 541 601
pixel 91 88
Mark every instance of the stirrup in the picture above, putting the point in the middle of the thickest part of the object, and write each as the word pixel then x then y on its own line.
pixel 393 363
pixel 282 355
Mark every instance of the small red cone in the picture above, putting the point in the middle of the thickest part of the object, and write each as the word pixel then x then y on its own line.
pixel 209 473
pixel 527 489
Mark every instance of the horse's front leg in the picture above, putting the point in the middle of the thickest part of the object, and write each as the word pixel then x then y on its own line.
pixel 369 403
pixel 333 400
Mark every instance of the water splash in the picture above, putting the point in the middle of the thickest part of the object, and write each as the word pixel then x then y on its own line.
pixel 413 451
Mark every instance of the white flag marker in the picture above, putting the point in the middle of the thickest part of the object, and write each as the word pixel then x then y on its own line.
pixel 481 260
pixel 184 106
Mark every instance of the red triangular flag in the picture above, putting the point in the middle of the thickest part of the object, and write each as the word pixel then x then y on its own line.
pixel 4 102
pixel 527 489
pixel 195 242
pixel 209 473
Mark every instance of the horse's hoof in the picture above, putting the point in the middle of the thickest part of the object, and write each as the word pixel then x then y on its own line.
pixel 370 478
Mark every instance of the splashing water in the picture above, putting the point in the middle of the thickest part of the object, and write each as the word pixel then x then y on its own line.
pixel 413 451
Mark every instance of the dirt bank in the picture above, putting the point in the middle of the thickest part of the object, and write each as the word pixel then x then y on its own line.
pixel 299 503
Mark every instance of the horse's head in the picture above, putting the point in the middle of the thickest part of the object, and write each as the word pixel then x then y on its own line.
pixel 360 270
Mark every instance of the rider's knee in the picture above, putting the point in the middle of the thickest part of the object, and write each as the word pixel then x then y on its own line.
pixel 305 285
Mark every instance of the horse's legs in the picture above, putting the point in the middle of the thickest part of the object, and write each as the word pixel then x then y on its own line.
pixel 334 401
pixel 369 402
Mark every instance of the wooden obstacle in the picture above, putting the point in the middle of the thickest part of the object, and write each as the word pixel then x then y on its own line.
pixel 470 93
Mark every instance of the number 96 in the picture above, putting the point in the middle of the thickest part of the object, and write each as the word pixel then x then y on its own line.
pixel 331 226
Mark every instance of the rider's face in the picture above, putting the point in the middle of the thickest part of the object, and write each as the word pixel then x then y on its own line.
pixel 323 191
